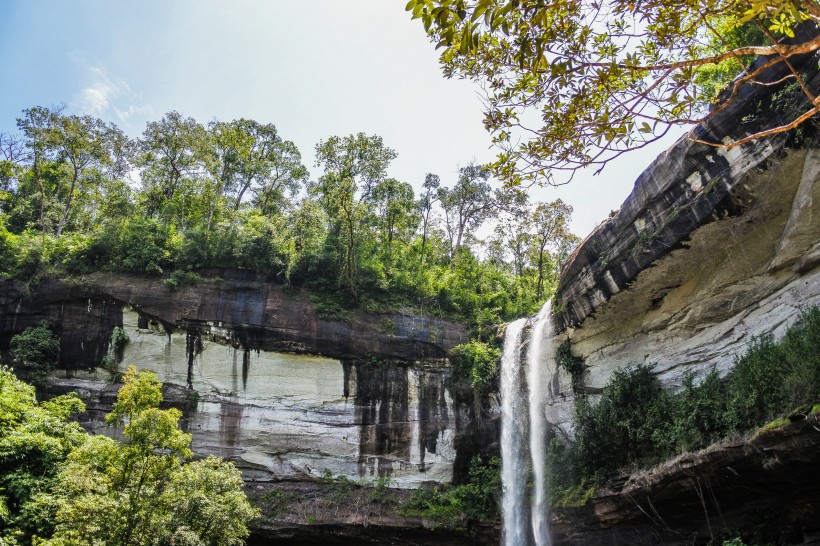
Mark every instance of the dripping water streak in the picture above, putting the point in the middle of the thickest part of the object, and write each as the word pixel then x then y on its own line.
pixel 513 469
pixel 537 383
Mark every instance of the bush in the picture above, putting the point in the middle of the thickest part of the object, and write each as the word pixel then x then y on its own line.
pixel 478 362
pixel 620 429
pixel 35 353
pixel 460 506
pixel 636 422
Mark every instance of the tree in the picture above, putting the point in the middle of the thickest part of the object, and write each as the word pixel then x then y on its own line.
pixel 170 151
pixel 467 205
pixel 427 200
pixel 139 492
pixel 607 76
pixel 513 235
pixel 34 353
pixel 88 146
pixel 35 439
pixel 395 211
pixel 12 153
pixel 353 165
pixel 551 222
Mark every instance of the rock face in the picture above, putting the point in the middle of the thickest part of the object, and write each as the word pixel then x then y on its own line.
pixel 240 308
pixel 265 381
pixel 711 249
pixel 769 481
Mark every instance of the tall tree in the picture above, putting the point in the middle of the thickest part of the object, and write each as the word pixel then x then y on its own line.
pixel 83 143
pixel 170 151
pixel 429 197
pixel 551 223
pixel 467 204
pixel 12 154
pixel 395 211
pixel 353 166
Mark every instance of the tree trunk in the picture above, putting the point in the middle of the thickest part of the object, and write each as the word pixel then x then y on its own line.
pixel 64 219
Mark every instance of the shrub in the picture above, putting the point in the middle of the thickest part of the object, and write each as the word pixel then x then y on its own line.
pixel 119 338
pixel 35 353
pixel 460 506
pixel 619 430
pixel 477 361
pixel 636 422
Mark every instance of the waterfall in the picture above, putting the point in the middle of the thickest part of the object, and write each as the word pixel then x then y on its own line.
pixel 517 408
pixel 513 465
pixel 537 379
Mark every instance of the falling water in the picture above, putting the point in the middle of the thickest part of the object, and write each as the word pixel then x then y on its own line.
pixel 513 466
pixel 516 408
pixel 537 380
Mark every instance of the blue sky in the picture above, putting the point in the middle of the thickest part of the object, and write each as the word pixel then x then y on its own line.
pixel 314 68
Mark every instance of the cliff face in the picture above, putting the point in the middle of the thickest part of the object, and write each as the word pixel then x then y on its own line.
pixel 264 379
pixel 240 309
pixel 711 249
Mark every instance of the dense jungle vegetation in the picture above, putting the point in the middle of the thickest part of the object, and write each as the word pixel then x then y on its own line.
pixel 77 195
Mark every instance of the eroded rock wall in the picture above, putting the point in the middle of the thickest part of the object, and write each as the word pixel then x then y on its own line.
pixel 263 379
pixel 710 250
pixel 239 307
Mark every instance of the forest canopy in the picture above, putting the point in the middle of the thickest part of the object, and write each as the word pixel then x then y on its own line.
pixel 77 195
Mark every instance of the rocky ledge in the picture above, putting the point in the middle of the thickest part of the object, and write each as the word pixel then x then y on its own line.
pixel 770 481
pixel 239 308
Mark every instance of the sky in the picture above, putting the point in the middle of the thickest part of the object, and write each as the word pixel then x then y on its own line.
pixel 314 68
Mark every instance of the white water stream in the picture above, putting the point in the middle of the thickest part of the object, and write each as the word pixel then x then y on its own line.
pixel 521 403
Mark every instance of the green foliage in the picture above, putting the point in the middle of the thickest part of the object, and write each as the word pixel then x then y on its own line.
pixel 574 85
pixel 34 353
pixel 712 78
pixel 119 339
pixel 573 365
pixel 336 488
pixel 381 491
pixel 235 195
pixel 636 423
pixel 35 439
pixel 182 278
pixel 139 492
pixel 477 361
pixel 619 430
pixel 460 506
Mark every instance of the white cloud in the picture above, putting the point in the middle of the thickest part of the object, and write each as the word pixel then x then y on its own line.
pixel 108 95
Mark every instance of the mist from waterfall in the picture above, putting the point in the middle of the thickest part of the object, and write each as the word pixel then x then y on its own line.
pixel 523 411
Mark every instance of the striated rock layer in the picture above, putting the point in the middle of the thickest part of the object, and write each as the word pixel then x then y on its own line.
pixel 265 381
pixel 711 249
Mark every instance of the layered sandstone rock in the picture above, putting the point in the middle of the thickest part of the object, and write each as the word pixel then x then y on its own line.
pixel 710 250
pixel 264 380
